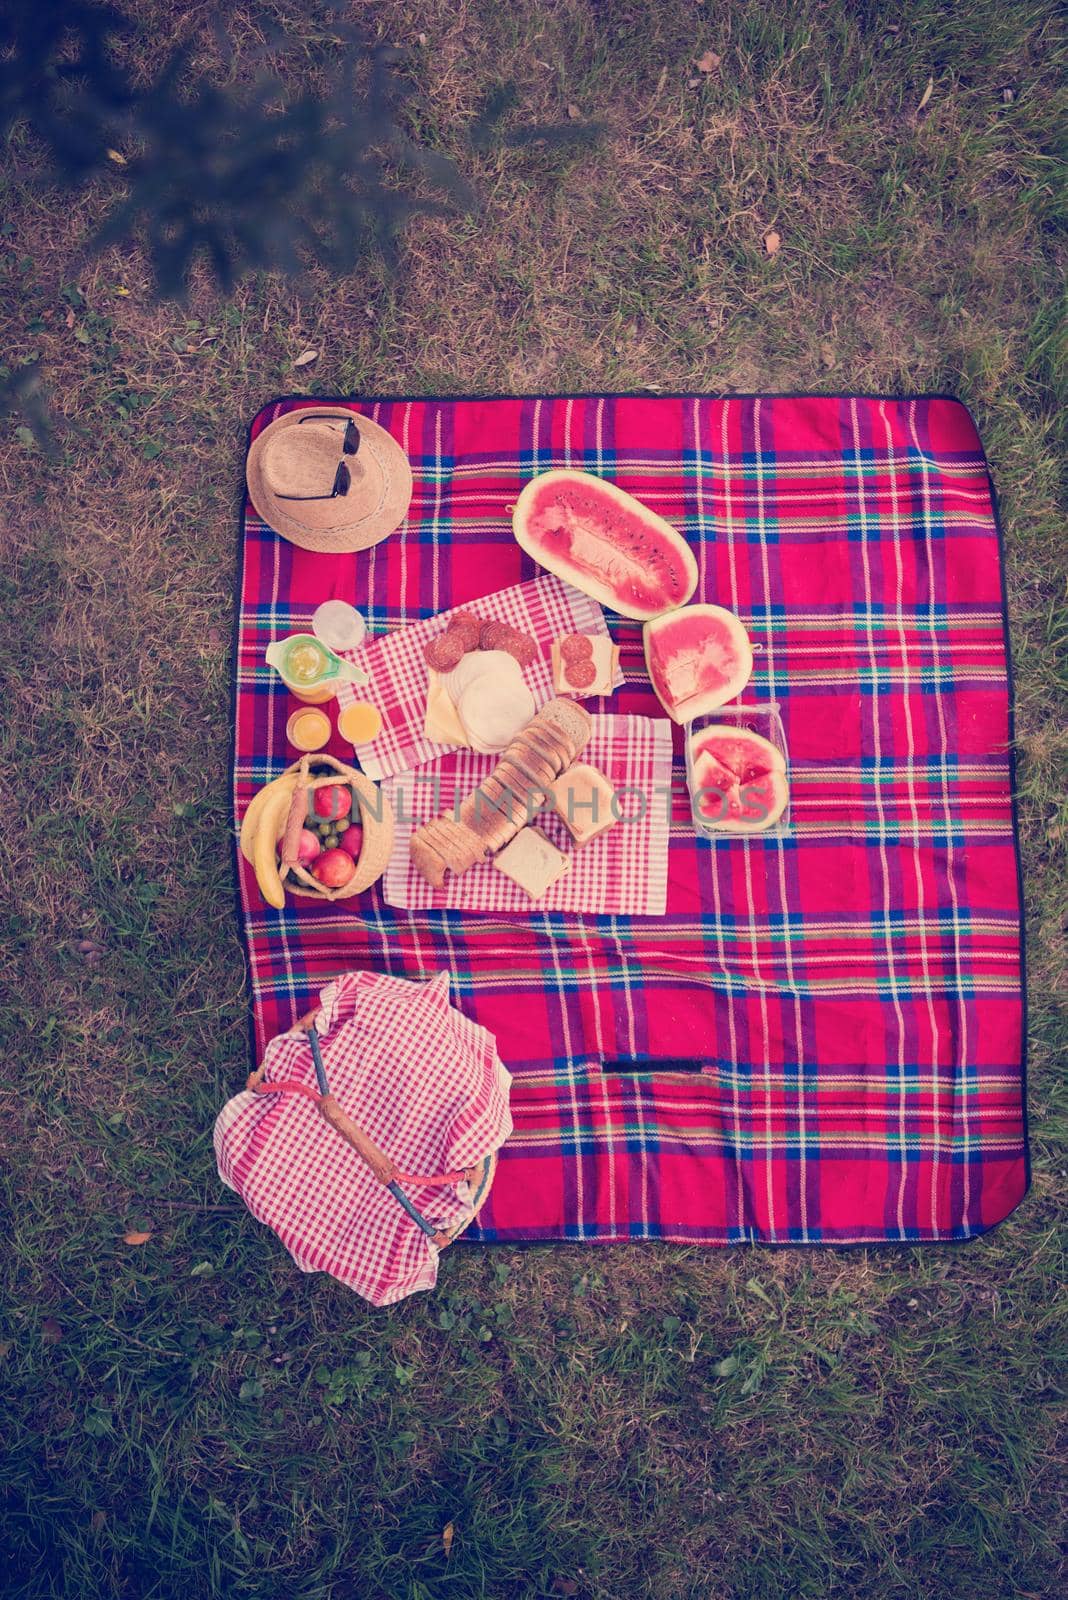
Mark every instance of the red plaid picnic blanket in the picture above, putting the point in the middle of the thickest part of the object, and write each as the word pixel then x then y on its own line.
pixel 821 1039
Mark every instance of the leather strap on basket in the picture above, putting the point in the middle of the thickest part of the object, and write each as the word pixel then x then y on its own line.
pixel 383 1168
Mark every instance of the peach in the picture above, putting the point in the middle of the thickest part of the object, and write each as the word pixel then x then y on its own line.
pixel 334 868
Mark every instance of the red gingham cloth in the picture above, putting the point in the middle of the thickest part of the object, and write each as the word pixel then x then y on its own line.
pixel 420 1079
pixel 544 609
pixel 849 991
pixel 623 871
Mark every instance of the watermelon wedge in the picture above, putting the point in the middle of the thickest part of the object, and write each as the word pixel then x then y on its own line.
pixel 601 540
pixel 738 780
pixel 698 658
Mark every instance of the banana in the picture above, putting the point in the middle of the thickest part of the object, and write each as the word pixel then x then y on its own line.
pixel 250 821
pixel 271 824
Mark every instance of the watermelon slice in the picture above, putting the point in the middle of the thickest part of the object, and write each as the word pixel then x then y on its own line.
pixel 604 542
pixel 698 659
pixel 738 780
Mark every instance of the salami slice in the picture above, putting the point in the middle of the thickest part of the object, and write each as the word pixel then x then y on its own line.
pixel 446 651
pixel 581 673
pixel 502 636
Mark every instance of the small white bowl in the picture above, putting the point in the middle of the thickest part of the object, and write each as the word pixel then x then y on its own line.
pixel 338 625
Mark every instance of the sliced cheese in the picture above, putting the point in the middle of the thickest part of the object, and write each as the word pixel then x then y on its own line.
pixel 441 722
pixel 481 664
pixel 482 703
pixel 493 711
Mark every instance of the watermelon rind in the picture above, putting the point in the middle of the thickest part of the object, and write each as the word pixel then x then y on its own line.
pixel 731 683
pixel 604 592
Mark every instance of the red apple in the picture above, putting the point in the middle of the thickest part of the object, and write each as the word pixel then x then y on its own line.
pixel 351 840
pixel 334 868
pixel 334 801
pixel 309 847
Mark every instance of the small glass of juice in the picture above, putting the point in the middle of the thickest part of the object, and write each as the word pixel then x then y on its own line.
pixel 308 729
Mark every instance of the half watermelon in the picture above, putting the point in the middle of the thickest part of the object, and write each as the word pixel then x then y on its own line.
pixel 698 658
pixel 604 542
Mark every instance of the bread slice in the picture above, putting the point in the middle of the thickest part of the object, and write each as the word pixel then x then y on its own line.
pixel 547 742
pixel 493 813
pixel 489 797
pixel 572 720
pixel 532 861
pixel 583 800
pixel 529 792
pixel 460 847
pixel 426 860
pixel 550 729
pixel 531 759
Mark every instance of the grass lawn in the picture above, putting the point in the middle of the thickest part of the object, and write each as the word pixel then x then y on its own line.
pixel 190 1416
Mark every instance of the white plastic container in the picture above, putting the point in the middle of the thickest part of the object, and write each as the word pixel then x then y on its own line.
pixel 763 719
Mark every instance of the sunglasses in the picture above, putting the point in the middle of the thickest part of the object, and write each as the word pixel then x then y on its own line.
pixel 343 477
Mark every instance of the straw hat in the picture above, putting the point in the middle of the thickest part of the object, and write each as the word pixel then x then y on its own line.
pixel 328 480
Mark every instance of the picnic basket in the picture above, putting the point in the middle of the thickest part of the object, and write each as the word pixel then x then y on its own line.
pixel 478 1177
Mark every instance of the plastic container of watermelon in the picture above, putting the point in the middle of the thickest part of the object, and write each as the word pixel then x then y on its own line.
pixel 743 792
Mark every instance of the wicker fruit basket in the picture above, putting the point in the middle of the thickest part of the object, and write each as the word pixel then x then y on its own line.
pixel 374 813
pixel 375 816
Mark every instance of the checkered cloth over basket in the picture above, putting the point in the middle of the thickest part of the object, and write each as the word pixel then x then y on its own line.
pixel 820 1039
pixel 420 1079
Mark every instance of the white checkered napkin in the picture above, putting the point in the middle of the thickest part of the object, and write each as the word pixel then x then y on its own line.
pixel 545 608
pixel 622 872
pixel 421 1079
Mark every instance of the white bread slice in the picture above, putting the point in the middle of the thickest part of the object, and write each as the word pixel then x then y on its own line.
pixel 532 861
